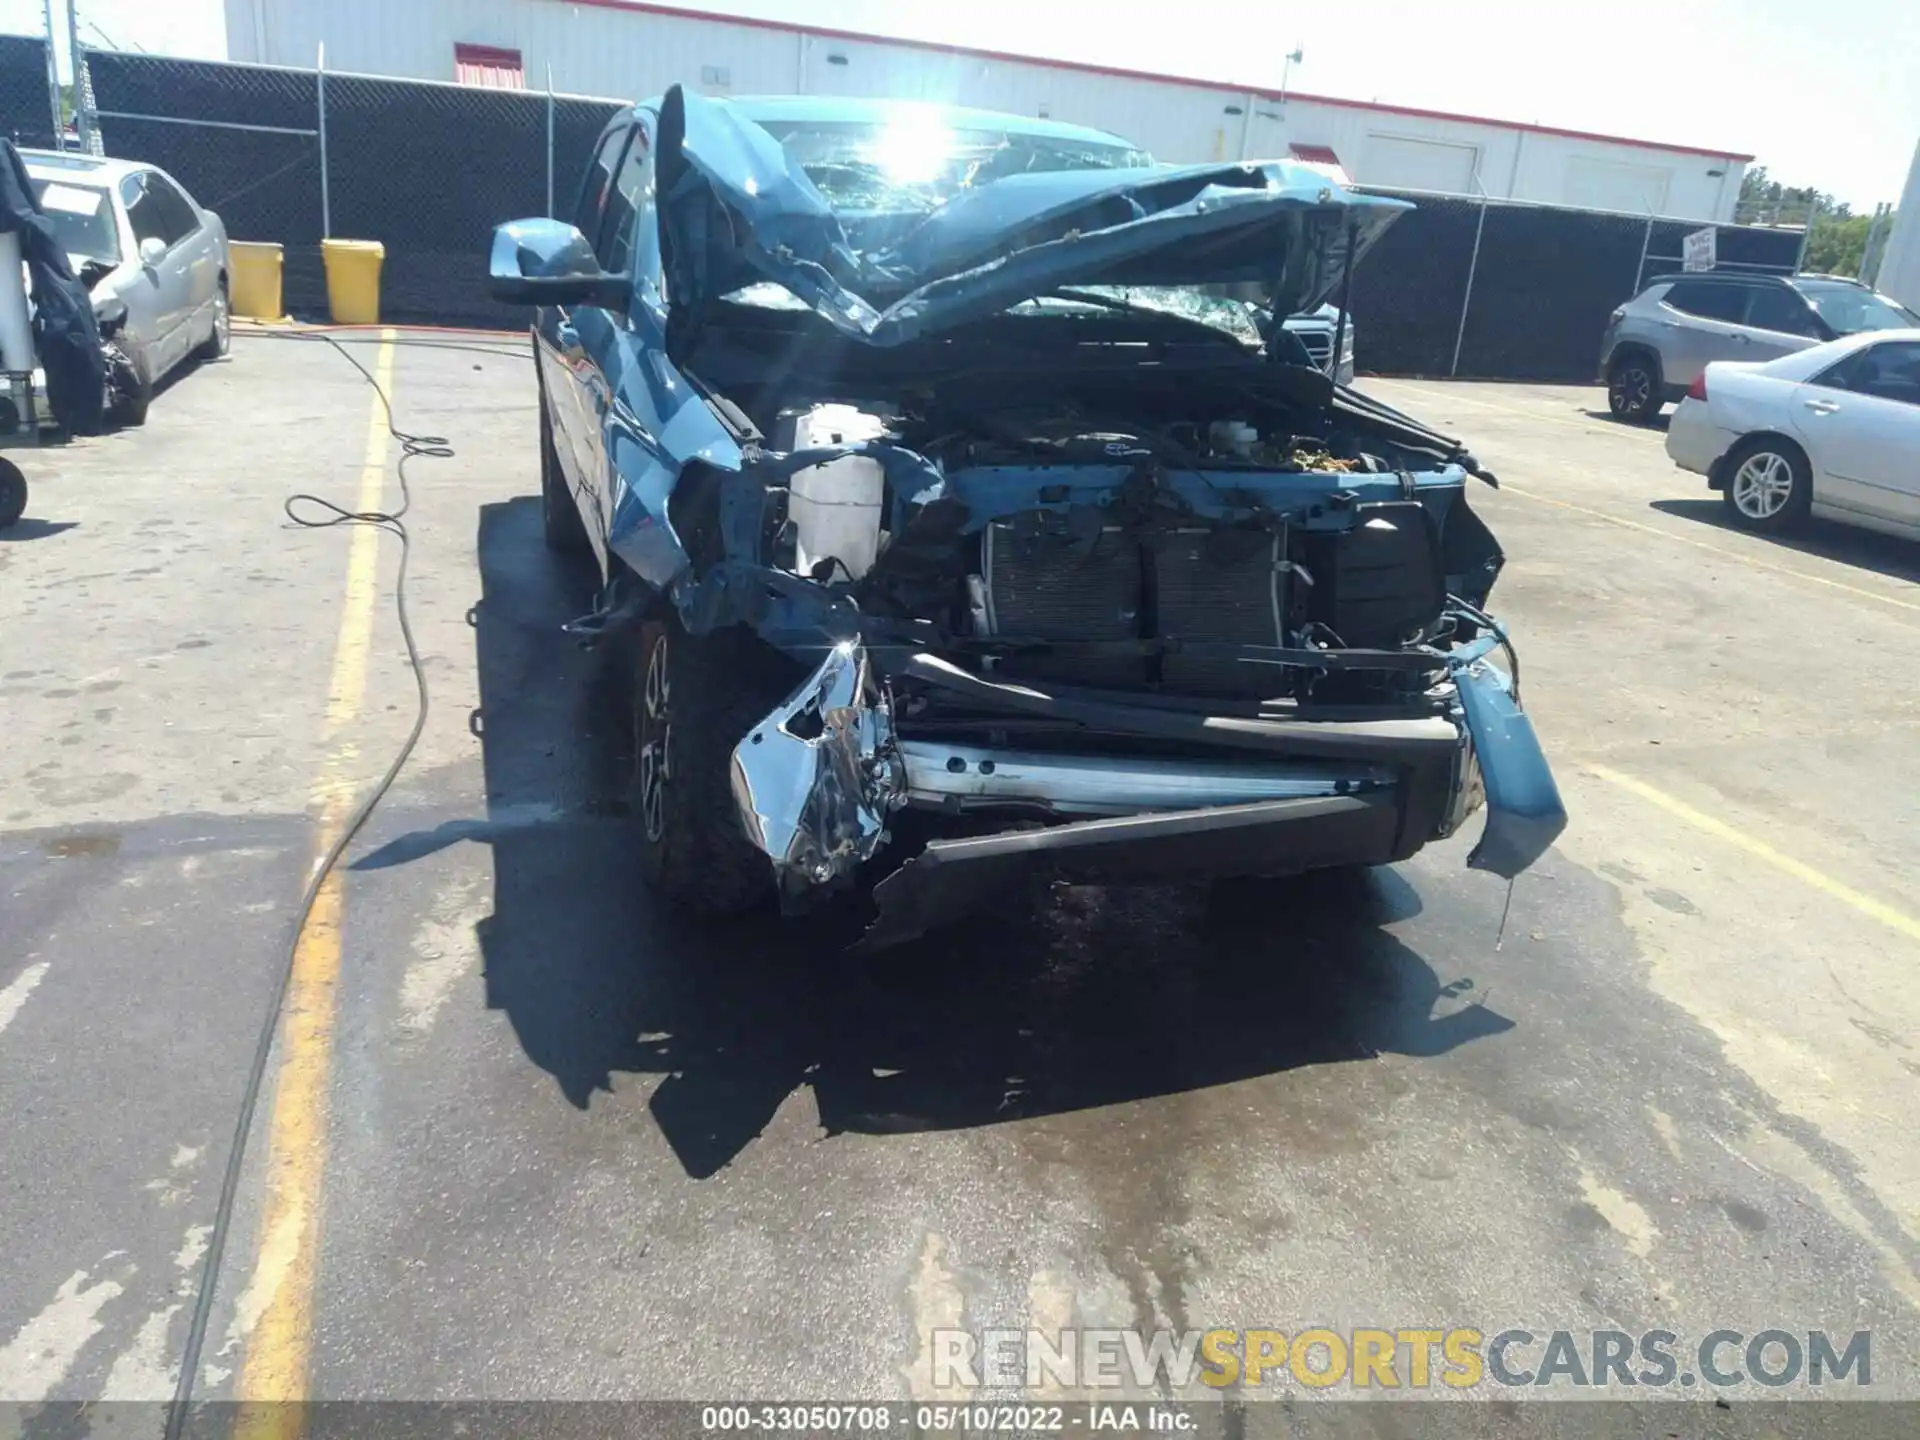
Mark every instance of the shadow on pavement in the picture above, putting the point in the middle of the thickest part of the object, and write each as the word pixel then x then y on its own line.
pixel 1887 555
pixel 30 528
pixel 1069 998
pixel 1657 425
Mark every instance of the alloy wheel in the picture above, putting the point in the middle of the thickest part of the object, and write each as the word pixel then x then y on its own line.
pixel 1632 387
pixel 655 730
pixel 1762 485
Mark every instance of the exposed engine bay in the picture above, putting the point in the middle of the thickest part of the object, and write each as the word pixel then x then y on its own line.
pixel 1062 547
pixel 1051 612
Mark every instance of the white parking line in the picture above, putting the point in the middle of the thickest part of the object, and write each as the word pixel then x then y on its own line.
pixel 14 997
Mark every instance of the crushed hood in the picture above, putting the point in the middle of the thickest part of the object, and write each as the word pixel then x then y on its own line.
pixel 735 210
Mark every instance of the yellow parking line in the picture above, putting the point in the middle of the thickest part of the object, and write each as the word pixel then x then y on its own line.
pixel 1447 397
pixel 1873 909
pixel 1722 551
pixel 279 1350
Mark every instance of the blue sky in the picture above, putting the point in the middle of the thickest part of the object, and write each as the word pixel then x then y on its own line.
pixel 1824 94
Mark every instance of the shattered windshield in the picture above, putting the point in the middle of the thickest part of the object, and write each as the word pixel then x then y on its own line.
pixel 1183 302
pixel 915 163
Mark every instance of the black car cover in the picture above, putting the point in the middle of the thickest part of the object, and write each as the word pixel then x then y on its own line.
pixel 64 332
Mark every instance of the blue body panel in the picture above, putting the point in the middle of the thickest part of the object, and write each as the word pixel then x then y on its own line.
pixel 626 421
pixel 1524 812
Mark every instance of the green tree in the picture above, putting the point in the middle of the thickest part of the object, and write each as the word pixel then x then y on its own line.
pixel 1765 201
pixel 1837 246
pixel 1836 237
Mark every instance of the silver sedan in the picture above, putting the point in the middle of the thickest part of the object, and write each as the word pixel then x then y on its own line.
pixel 133 233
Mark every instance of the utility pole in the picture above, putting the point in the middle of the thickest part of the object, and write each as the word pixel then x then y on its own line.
pixel 1286 74
pixel 1867 256
pixel 53 81
pixel 320 98
pixel 1806 236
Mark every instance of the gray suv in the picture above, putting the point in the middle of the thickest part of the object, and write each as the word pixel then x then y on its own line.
pixel 1659 342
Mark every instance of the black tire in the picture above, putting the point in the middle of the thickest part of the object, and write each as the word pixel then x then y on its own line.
pixel 220 338
pixel 1634 388
pixel 695 697
pixel 13 493
pixel 566 533
pixel 133 392
pixel 1769 485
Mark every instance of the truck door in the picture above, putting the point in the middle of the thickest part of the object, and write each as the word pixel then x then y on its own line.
pixel 569 371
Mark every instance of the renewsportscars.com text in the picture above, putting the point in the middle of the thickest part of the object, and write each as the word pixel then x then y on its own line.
pixel 1459 1358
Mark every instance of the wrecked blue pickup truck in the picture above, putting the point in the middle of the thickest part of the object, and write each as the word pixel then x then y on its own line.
pixel 971 534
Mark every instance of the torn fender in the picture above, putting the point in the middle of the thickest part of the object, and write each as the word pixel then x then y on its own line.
pixel 1524 813
pixel 813 782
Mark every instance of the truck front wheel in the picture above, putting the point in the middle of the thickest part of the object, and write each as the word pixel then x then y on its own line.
pixel 695 697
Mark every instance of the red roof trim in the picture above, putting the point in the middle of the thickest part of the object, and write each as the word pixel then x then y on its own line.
pixel 756 22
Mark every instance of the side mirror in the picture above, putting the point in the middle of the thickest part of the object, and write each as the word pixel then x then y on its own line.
pixel 152 250
pixel 548 262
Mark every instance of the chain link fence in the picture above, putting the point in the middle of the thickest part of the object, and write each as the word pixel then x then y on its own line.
pixel 1462 286
pixel 244 139
pixel 1505 290
pixel 29 98
pixel 1544 285
pixel 472 158
pixel 296 156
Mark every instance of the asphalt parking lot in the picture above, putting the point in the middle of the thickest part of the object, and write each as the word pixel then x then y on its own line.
pixel 528 1138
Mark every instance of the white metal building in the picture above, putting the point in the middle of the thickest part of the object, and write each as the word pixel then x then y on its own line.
pixel 1900 263
pixel 631 49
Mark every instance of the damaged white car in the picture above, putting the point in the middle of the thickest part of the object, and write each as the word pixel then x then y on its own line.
pixel 972 536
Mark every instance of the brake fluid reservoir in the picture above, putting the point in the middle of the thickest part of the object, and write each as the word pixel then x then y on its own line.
pixel 835 507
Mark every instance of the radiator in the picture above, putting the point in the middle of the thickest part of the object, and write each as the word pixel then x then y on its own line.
pixel 1192 584
pixel 1219 585
pixel 1045 582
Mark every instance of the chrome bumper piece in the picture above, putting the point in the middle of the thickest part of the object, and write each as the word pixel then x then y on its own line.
pixel 813 782
pixel 965 777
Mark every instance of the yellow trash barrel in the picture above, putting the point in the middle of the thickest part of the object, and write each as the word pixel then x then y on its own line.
pixel 353 279
pixel 254 284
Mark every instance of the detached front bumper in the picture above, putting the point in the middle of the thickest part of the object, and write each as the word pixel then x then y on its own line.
pixel 818 782
pixel 952 878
